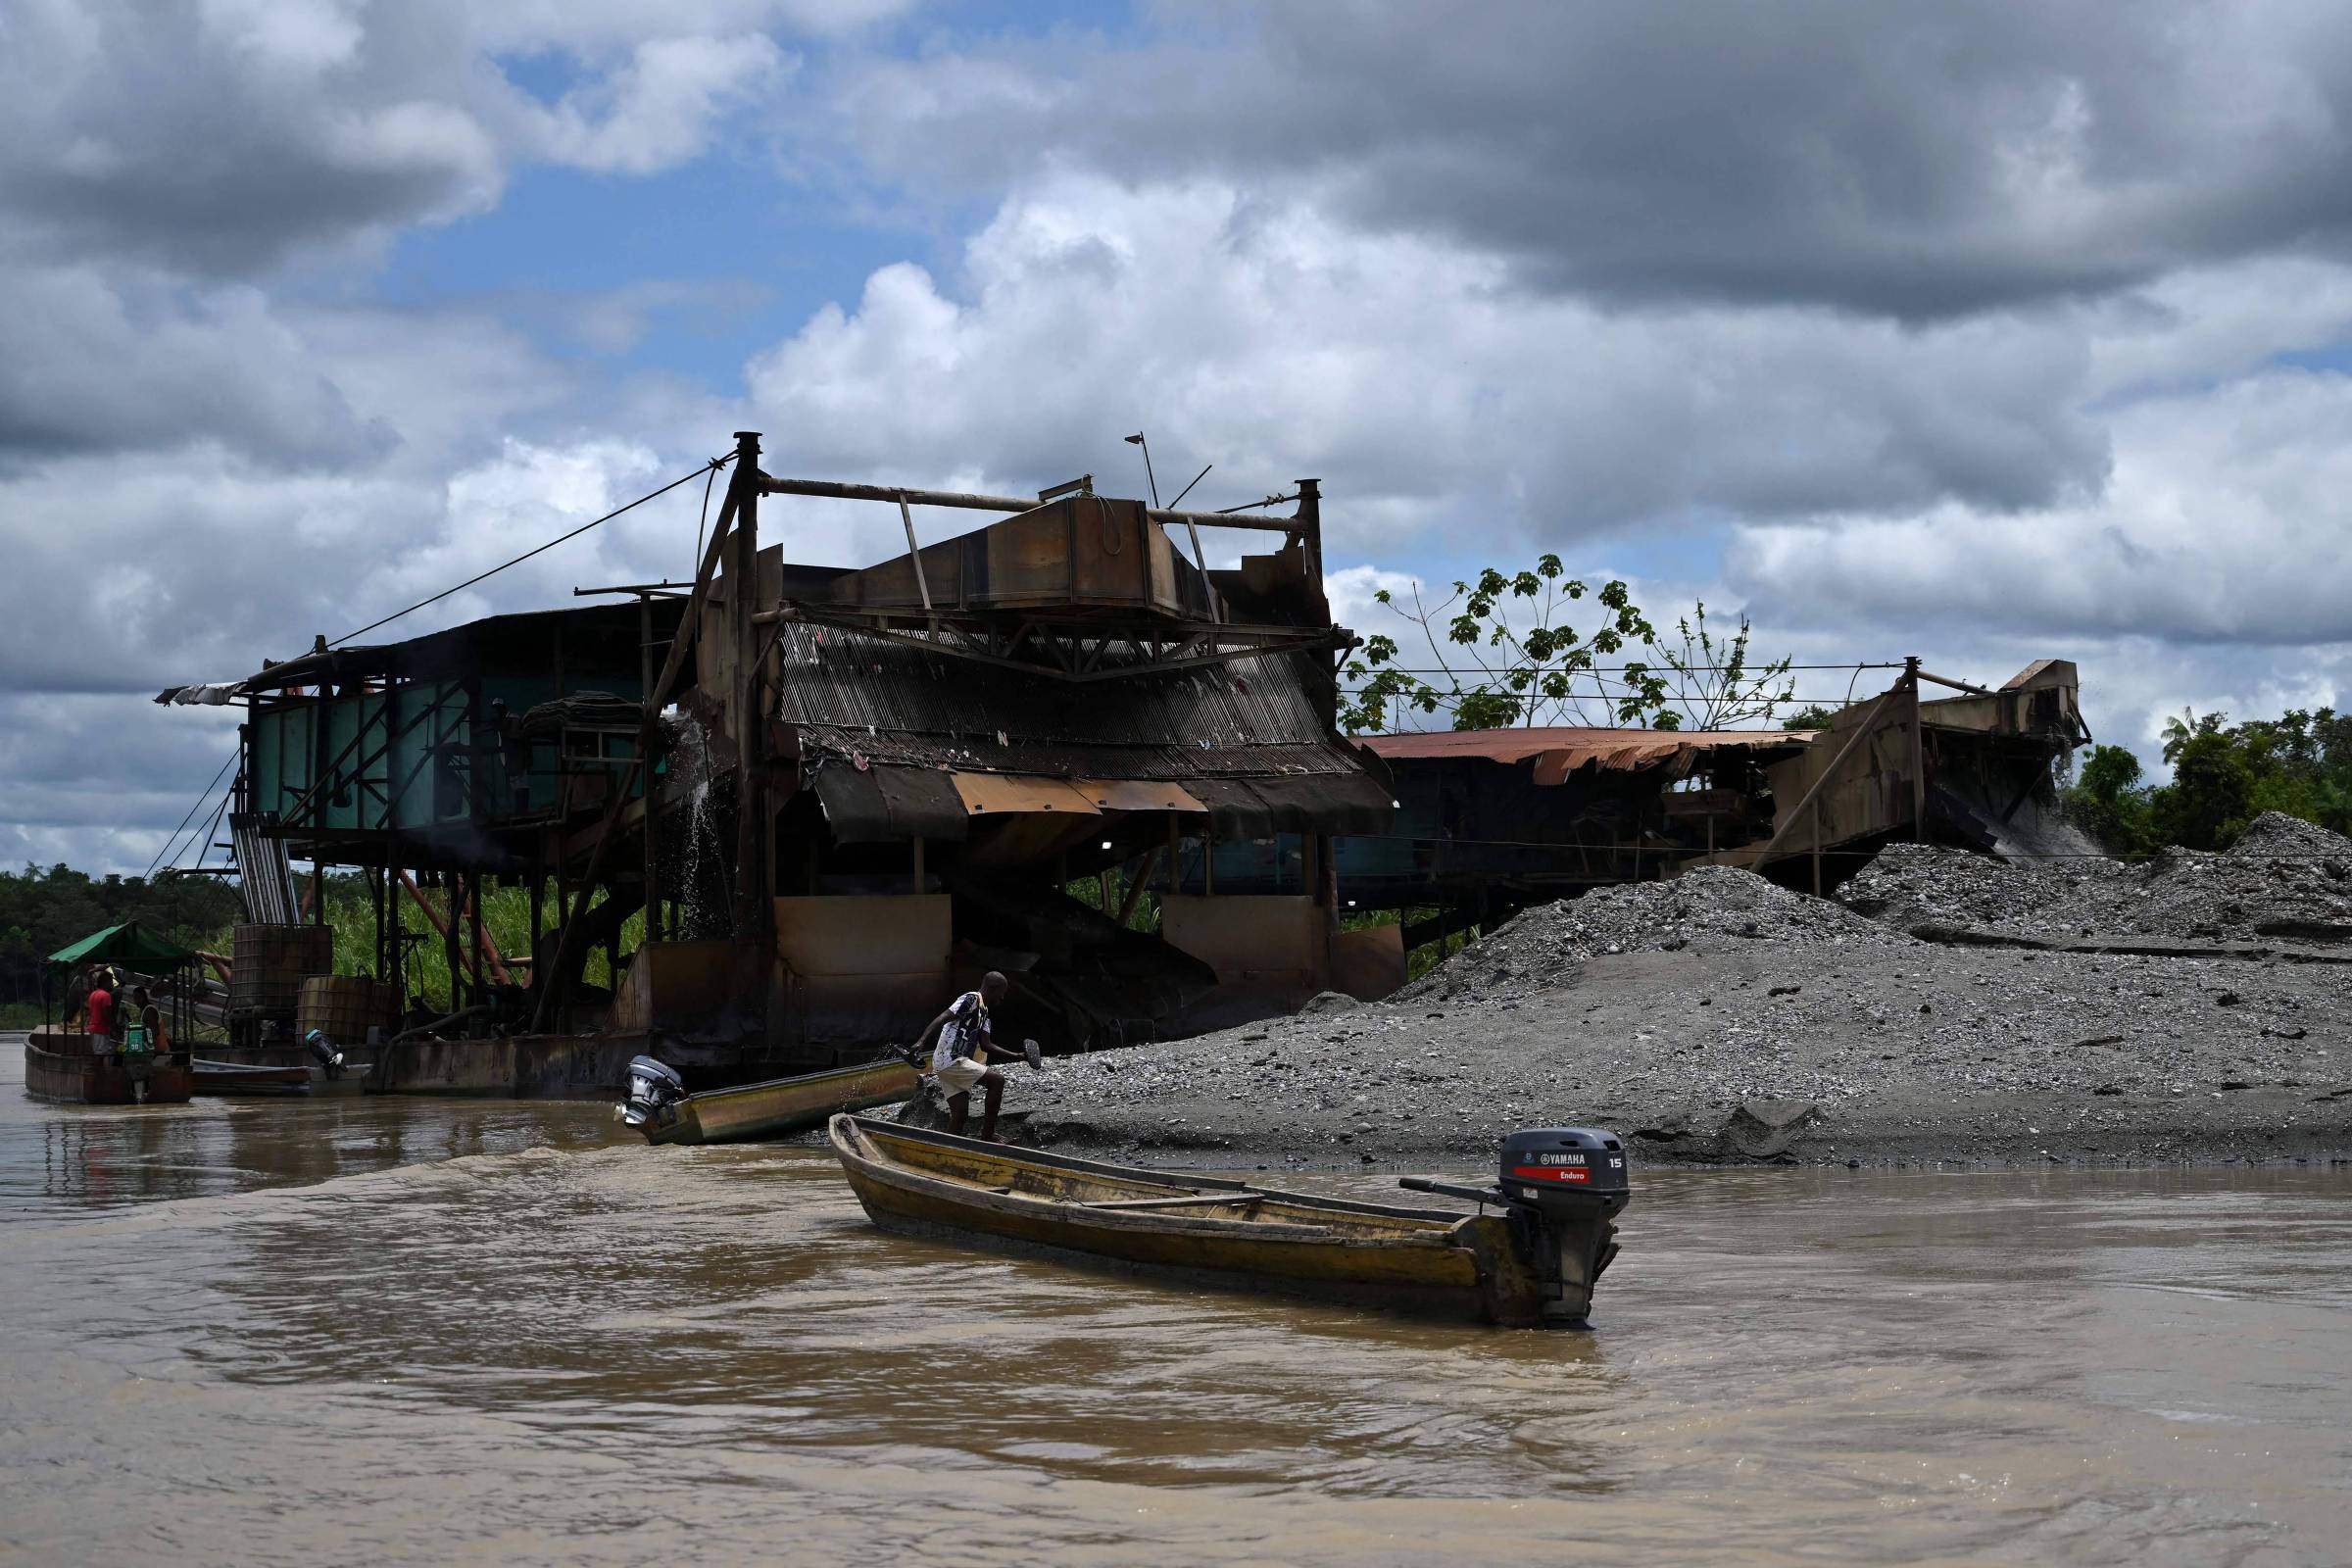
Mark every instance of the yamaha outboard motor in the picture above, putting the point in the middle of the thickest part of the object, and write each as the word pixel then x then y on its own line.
pixel 1566 1184
pixel 654 1090
pixel 1561 1187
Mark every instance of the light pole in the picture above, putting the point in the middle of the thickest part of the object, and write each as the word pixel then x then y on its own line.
pixel 1136 440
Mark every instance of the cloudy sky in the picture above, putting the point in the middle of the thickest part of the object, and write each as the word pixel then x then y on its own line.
pixel 1987 333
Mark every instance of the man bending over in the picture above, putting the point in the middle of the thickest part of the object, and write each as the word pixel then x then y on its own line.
pixel 960 1059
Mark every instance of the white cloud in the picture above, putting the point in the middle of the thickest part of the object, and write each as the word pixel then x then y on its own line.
pixel 658 110
pixel 1412 376
pixel 1353 593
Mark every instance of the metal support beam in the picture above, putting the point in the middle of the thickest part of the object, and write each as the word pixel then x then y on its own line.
pixel 922 583
pixel 751 728
pixel 1912 665
pixel 833 490
pixel 1870 722
pixel 1919 757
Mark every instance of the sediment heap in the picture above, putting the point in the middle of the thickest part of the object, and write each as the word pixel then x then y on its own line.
pixel 1718 1017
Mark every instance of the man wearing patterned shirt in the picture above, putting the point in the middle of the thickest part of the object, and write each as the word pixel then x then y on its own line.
pixel 959 1055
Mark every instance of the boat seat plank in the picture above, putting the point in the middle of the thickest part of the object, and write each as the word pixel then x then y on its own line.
pixel 1190 1200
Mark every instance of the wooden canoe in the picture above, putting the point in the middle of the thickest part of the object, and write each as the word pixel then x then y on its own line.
pixel 1425 1261
pixel 246 1078
pixel 68 1069
pixel 748 1112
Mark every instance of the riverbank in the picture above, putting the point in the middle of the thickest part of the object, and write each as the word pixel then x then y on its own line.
pixel 1720 1019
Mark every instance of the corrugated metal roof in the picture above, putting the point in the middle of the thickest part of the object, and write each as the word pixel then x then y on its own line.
pixel 1558 751
pixel 853 695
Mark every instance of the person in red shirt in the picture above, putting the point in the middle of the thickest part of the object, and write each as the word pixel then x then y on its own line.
pixel 101 1006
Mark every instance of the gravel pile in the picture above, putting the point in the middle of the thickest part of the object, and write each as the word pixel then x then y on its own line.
pixel 2284 878
pixel 1719 1017
pixel 1542 949
pixel 1890 1051
pixel 2275 833
pixel 1908 885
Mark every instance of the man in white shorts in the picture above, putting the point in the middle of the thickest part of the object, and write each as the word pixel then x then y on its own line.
pixel 960 1059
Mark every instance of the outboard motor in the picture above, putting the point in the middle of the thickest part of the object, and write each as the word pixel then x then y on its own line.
pixel 654 1090
pixel 328 1059
pixel 1565 1185
pixel 1561 1186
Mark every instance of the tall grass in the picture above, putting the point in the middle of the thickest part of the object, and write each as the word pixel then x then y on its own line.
pixel 506 917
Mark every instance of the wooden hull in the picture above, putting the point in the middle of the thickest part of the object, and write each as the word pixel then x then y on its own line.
pixel 1417 1260
pixel 779 1107
pixel 72 1074
pixel 237 1078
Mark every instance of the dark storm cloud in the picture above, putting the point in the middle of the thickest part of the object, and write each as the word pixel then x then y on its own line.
pixel 1917 161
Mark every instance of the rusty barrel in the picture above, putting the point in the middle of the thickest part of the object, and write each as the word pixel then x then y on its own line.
pixel 270 962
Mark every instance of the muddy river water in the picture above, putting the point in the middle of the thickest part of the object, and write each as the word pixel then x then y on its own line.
pixel 390 1331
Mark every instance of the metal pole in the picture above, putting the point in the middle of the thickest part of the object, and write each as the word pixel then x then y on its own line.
pixel 1919 756
pixel 1310 523
pixel 915 552
pixel 750 794
pixel 647 732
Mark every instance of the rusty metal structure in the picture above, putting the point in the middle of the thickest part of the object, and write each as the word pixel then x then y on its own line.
pixel 832 795
pixel 1490 821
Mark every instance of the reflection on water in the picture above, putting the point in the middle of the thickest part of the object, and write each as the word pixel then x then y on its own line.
pixel 411 1330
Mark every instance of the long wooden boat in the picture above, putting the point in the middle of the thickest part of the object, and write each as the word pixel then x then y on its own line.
pixel 778 1106
pixel 246 1078
pixel 1471 1267
pixel 69 1069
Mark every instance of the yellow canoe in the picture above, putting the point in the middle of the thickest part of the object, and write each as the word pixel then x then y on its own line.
pixel 1429 1261
pixel 748 1112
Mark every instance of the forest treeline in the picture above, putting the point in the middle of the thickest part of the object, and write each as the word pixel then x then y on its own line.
pixel 2224 776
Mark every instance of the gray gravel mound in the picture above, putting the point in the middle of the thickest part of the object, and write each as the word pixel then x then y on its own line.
pixel 2275 833
pixel 1907 885
pixel 1715 905
pixel 2283 878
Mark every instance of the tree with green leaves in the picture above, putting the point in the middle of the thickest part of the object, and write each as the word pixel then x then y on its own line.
pixel 2211 796
pixel 1502 652
pixel 2108 802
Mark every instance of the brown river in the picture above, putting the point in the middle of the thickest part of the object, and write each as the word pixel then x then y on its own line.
pixel 390 1331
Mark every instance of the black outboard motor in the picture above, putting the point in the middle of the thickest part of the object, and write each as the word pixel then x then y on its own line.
pixel 1561 1186
pixel 654 1090
pixel 324 1053
pixel 1565 1185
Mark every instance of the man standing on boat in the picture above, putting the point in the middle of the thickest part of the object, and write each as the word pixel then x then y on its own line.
pixel 100 1005
pixel 960 1058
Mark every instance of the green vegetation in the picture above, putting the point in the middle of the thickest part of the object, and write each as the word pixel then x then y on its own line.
pixel 506 917
pixel 1503 653
pixel 43 910
pixel 2224 776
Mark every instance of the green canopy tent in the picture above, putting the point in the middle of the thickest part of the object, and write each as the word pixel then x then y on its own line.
pixel 131 946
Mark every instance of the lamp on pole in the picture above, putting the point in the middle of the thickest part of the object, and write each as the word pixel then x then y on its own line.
pixel 1136 440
